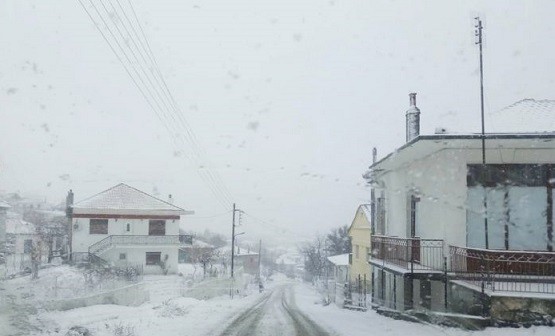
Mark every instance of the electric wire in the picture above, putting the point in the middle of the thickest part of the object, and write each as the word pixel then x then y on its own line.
pixel 166 116
pixel 194 141
pixel 209 183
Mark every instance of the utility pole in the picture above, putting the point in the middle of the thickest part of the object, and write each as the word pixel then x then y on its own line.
pixel 478 34
pixel 373 198
pixel 232 239
pixel 259 258
pixel 233 235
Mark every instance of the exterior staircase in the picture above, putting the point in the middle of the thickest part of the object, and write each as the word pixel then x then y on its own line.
pixel 137 240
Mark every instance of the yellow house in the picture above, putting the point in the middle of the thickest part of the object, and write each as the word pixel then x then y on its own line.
pixel 359 232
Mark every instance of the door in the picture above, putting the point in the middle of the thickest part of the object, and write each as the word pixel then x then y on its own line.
pixel 414 242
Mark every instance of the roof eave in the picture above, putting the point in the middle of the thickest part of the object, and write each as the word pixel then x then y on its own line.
pixel 475 136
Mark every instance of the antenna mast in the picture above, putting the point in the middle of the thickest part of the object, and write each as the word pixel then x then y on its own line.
pixel 478 34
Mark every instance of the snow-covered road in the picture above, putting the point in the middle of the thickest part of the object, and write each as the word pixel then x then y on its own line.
pixel 275 313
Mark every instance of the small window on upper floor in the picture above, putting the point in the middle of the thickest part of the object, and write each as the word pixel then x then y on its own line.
pixel 98 226
pixel 156 227
pixel 128 227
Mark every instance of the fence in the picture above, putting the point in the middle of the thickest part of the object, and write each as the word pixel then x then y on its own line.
pixel 409 253
pixel 112 240
pixel 498 270
pixel 356 293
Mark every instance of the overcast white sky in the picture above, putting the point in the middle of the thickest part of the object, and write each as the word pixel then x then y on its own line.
pixel 287 98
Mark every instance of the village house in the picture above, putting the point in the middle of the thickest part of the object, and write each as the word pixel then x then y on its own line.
pixel 453 234
pixel 247 261
pixel 338 280
pixel 359 233
pixel 21 237
pixel 124 226
pixel 291 264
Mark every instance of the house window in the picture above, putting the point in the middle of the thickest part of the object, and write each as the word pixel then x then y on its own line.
pixel 514 201
pixel 122 256
pixel 128 227
pixel 356 251
pixel 380 216
pixel 27 245
pixel 153 258
pixel 413 227
pixel 156 227
pixel 98 226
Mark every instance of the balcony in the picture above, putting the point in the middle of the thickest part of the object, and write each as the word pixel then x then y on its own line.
pixel 408 253
pixel 480 269
pixel 139 240
pixel 504 270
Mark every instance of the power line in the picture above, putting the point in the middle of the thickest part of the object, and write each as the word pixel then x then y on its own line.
pixel 199 151
pixel 212 216
pixel 191 135
pixel 212 186
pixel 170 115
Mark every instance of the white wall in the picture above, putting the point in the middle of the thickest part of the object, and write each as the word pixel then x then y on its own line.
pixel 441 181
pixel 136 255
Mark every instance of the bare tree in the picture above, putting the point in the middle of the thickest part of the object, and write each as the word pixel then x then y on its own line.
pixel 338 241
pixel 314 254
pixel 204 256
pixel 49 229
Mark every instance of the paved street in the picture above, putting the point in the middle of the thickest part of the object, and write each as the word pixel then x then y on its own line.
pixel 275 313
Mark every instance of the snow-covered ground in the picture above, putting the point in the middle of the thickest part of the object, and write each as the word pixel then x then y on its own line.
pixel 355 323
pixel 168 313
pixel 178 316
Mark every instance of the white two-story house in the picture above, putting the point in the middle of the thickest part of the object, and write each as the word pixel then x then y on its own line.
pixel 452 232
pixel 125 226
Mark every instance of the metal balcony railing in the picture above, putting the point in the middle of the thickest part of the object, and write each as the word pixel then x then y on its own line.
pixel 119 240
pixel 504 270
pixel 466 259
pixel 409 253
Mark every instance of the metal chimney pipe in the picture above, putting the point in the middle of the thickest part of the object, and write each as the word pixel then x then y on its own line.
pixel 412 119
pixel 412 98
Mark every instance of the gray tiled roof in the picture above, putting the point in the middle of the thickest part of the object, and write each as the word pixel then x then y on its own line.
pixel 526 115
pixel 124 197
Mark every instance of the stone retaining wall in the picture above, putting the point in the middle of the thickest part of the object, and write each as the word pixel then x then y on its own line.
pixel 132 295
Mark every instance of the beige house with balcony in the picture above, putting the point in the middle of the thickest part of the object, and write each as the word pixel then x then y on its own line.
pixel 359 232
pixel 126 226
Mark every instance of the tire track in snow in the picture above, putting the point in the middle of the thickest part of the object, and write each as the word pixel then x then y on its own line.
pixel 273 314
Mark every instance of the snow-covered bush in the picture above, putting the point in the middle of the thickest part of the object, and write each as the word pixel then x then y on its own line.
pixel 170 309
pixel 123 329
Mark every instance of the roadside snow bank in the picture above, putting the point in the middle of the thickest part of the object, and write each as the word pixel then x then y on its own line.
pixel 355 323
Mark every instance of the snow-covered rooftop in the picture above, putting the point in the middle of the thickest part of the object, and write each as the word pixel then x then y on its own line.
pixel 289 259
pixel 340 259
pixel 526 115
pixel 124 197
pixel 4 205
pixel 366 210
pixel 16 225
